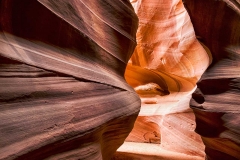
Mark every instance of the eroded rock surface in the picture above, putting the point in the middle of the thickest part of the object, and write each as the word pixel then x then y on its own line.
pixel 216 100
pixel 164 69
pixel 62 91
pixel 167 63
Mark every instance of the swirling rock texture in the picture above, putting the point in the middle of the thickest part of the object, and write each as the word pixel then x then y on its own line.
pixel 164 69
pixel 216 100
pixel 62 89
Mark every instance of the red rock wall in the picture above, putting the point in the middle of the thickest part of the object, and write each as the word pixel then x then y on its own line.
pixel 62 91
pixel 216 100
pixel 164 69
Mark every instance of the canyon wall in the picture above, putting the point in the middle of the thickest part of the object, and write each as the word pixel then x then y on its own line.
pixel 70 85
pixel 62 89
pixel 164 69
pixel 216 100
pixel 169 60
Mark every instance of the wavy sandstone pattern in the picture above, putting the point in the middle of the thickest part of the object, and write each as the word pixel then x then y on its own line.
pixel 164 69
pixel 216 100
pixel 63 94
pixel 62 90
pixel 168 53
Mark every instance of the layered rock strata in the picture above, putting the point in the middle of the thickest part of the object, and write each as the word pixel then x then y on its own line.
pixel 62 91
pixel 164 69
pixel 216 100
pixel 63 95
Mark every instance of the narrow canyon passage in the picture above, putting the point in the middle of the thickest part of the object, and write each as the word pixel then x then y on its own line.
pixel 164 69
pixel 168 61
pixel 120 79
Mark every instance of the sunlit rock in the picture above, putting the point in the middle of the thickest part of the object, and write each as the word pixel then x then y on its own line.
pixel 63 73
pixel 164 69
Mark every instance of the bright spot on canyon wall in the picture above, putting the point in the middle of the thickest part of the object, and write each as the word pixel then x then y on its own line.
pixel 166 65
pixel 164 69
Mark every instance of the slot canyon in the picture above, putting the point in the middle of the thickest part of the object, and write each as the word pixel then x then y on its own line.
pixel 120 79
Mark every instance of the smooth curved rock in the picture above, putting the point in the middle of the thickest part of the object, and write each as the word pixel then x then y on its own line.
pixel 62 90
pixel 164 69
pixel 216 101
pixel 63 95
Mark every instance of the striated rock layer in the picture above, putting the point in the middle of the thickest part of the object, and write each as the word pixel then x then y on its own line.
pixel 167 56
pixel 62 91
pixel 216 100
pixel 63 94
pixel 164 69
